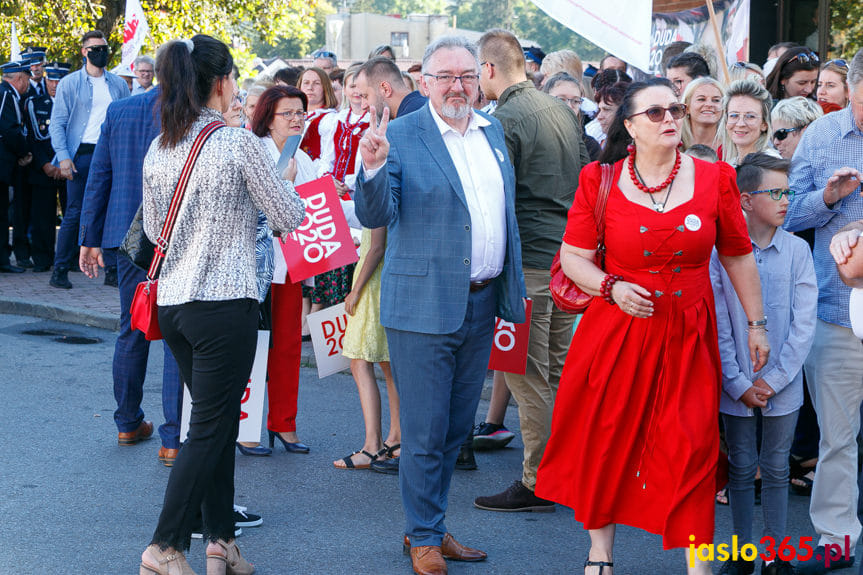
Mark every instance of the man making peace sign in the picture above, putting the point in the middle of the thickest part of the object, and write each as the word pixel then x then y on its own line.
pixel 441 180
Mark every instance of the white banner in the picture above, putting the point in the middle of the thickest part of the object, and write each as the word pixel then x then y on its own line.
pixel 16 46
pixel 621 27
pixel 327 328
pixel 135 31
pixel 252 404
pixel 694 26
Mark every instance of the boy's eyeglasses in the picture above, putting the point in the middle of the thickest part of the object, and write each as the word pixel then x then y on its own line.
pixel 783 133
pixel 776 193
pixel 657 113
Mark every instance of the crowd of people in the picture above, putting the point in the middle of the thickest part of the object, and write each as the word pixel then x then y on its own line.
pixel 706 213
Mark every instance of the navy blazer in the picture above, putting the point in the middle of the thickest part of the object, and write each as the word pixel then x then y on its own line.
pixel 425 280
pixel 13 143
pixel 116 179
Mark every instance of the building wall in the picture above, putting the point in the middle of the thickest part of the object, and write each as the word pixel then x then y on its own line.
pixel 353 36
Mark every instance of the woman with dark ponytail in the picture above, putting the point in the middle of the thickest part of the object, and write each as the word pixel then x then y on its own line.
pixel 208 297
pixel 634 436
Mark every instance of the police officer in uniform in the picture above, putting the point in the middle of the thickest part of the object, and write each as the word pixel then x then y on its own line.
pixel 36 56
pixel 44 177
pixel 14 154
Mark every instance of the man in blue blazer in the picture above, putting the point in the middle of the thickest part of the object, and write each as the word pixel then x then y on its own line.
pixel 111 198
pixel 441 180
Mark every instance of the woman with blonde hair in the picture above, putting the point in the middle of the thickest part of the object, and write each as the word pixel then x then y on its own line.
pixel 832 87
pixel 703 99
pixel 790 118
pixel 562 61
pixel 745 127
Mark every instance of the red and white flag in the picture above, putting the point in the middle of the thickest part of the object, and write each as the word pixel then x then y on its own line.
pixel 135 32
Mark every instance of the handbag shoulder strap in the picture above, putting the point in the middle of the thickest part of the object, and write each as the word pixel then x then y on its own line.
pixel 602 200
pixel 177 198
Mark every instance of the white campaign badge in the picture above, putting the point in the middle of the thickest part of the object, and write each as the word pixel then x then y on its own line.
pixel 499 155
pixel 692 223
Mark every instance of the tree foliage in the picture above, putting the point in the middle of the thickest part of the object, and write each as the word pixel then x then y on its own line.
pixel 846 25
pixel 59 24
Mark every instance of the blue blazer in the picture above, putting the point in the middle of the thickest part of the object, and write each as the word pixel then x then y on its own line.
pixel 116 179
pixel 425 280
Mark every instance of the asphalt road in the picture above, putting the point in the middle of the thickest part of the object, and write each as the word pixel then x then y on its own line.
pixel 76 503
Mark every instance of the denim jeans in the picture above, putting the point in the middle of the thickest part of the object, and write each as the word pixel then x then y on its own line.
pixel 67 238
pixel 743 461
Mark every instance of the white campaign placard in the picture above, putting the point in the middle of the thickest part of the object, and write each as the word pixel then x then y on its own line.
pixel 327 328
pixel 252 404
pixel 621 27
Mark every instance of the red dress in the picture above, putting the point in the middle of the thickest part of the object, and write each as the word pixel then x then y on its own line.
pixel 634 437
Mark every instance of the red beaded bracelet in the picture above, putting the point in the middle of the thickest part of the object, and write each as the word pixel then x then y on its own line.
pixel 605 289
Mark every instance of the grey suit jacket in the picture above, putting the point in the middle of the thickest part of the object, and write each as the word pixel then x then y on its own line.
pixel 425 280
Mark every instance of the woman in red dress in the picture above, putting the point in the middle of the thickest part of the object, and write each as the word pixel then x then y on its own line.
pixel 634 433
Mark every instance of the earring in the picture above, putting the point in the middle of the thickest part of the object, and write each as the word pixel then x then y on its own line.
pixel 630 149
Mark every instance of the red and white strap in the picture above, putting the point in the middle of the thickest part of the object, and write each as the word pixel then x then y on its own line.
pixel 179 191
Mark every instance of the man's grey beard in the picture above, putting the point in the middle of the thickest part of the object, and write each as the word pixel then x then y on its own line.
pixel 455 111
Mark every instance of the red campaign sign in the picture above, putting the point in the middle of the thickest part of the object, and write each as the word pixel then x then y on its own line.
pixel 323 241
pixel 509 350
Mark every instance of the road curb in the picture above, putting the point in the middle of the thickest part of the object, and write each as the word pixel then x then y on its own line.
pixel 60 313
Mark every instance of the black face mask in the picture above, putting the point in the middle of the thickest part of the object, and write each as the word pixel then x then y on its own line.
pixel 98 57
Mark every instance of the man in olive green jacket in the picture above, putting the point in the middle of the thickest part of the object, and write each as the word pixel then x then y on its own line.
pixel 544 140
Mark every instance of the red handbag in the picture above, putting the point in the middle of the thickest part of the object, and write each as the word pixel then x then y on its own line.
pixel 144 309
pixel 566 295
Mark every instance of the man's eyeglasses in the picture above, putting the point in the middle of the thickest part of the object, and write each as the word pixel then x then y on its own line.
pixel 99 48
pixel 776 193
pixel 144 71
pixel 657 113
pixel 298 114
pixel 571 102
pixel 735 117
pixel 449 79
pixel 783 133
pixel 805 58
pixel 838 62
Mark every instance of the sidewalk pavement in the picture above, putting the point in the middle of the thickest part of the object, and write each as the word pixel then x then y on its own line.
pixel 89 302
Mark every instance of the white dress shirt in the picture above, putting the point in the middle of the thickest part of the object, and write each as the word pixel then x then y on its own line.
pixel 482 182
pixel 479 172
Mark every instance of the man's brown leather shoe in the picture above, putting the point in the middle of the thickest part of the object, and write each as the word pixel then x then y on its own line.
pixel 452 549
pixel 427 560
pixel 167 456
pixel 144 431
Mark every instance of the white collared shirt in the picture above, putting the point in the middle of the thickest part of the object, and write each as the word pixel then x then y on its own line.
pixel 479 172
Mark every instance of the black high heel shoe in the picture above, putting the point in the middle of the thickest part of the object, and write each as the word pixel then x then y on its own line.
pixel 289 446
pixel 258 450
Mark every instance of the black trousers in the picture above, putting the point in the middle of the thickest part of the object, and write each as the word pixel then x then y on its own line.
pixel 4 223
pixel 21 214
pixel 214 344
pixel 43 221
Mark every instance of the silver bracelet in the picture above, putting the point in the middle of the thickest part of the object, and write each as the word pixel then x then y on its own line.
pixel 757 323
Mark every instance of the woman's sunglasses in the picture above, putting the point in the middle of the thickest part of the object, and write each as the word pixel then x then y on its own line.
pixel 838 62
pixel 805 58
pixel 783 133
pixel 657 113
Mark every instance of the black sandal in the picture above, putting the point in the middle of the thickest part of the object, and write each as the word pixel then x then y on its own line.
pixel 349 464
pixel 601 564
pixel 388 451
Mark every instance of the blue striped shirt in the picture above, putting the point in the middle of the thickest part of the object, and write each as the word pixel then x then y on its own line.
pixel 831 142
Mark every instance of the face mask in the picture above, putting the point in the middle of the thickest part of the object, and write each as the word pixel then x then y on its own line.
pixel 98 58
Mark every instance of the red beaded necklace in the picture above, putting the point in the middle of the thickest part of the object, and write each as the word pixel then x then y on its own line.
pixel 637 181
